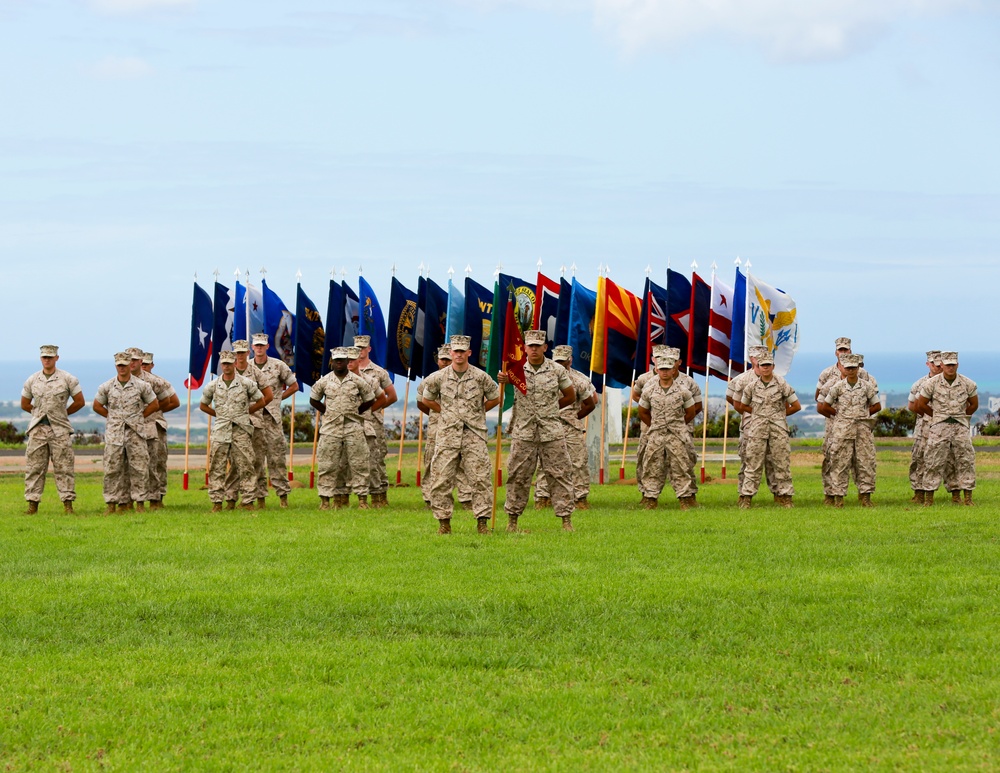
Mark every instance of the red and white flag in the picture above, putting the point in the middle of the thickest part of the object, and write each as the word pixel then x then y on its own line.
pixel 720 326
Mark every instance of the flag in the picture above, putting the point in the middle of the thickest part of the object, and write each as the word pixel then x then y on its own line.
pixel 772 322
pixel 419 326
pixel 546 308
pixel 222 329
pixel 523 307
pixel 435 325
pixel 478 314
pixel 678 312
pixel 456 312
pixel 622 312
pixel 652 324
pixel 583 306
pixel 402 320
pixel 201 338
pixel 249 315
pixel 371 322
pixel 334 324
pixel 737 339
pixel 350 312
pixel 562 315
pixel 701 305
pixel 310 340
pixel 279 324
pixel 598 344
pixel 720 323
pixel 514 353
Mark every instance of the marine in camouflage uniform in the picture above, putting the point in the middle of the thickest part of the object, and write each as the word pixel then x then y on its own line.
pixel 918 467
pixel 769 400
pixel 733 390
pixel 849 403
pixel 278 376
pixel 374 425
pixel 666 408
pixel 232 399
pixel 949 399
pixel 825 381
pixel 461 394
pixel 576 433
pixel 156 426
pixel 125 402
pixel 51 396
pixel 839 374
pixel 537 433
pixel 245 368
pixel 342 490
pixel 341 397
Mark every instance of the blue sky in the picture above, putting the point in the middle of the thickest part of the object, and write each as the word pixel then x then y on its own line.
pixel 848 149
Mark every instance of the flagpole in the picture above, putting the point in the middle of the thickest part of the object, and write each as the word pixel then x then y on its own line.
pixel 708 356
pixel 402 430
pixel 725 426
pixel 187 435
pixel 628 419
pixel 420 447
pixel 291 441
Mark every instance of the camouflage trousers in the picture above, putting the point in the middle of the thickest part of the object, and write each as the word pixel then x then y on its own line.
pixel 157 447
pixel 232 464
pixel 768 468
pixel 258 458
pixel 44 444
pixel 342 462
pixel 378 479
pixel 949 444
pixel 576 444
pixel 851 453
pixel 916 470
pixel 525 456
pixel 461 482
pixel 754 454
pixel 126 470
pixel 640 454
pixel 668 456
pixel 273 448
pixel 471 455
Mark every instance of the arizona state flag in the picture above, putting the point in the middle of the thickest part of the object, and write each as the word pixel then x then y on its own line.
pixel 623 311
pixel 514 353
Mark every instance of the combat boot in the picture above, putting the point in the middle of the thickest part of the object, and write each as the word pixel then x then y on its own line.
pixel 230 504
pixel 828 500
pixel 542 502
pixel 483 525
pixel 324 503
pixel 746 502
pixel 567 523
pixel 155 504
pixel 968 498
pixel 140 507
pixel 582 504
pixel 838 502
pixel 649 503
pixel 866 500
pixel 512 523
pixel 928 499
pixel 444 526
pixel 111 508
pixel 684 503
pixel 341 501
pixel 918 497
pixel 363 504
pixel 32 507
pixel 785 500
pixel 380 500
pixel 127 507
pixel 247 506
pixel 216 507
pixel 68 507
pixel 956 497
pixel 283 501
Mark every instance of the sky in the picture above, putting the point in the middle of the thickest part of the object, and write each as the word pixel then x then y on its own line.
pixel 847 148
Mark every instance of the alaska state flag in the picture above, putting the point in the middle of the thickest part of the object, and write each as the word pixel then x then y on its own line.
pixel 201 338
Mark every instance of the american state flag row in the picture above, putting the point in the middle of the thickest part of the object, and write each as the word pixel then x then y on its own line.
pixel 612 330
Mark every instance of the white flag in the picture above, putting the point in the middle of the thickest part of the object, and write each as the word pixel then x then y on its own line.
pixel 772 322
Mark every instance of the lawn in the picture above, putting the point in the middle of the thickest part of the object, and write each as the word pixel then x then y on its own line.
pixel 804 639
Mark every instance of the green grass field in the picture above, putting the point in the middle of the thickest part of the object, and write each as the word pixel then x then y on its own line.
pixel 804 639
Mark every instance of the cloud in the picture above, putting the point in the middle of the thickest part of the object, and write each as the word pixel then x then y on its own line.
pixel 121 68
pixel 138 6
pixel 788 30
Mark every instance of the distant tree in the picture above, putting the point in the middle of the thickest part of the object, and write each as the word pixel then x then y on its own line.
pixel 990 425
pixel 9 433
pixel 304 426
pixel 894 422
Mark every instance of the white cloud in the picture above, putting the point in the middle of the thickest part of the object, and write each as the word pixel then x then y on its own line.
pixel 121 68
pixel 791 30
pixel 138 6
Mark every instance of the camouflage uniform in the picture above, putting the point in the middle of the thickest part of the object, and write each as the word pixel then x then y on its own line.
pixel 766 433
pixel 460 438
pixel 576 441
pixel 826 471
pixel 156 436
pixel 341 480
pixel 735 390
pixel 342 438
pixel 126 455
pixel 684 381
pixel 49 434
pixel 850 445
pixel 916 471
pixel 537 433
pixel 374 428
pixel 258 457
pixel 272 445
pixel 948 436
pixel 465 489
pixel 667 439
pixel 232 437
